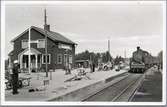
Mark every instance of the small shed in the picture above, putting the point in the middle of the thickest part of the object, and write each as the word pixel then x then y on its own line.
pixel 84 63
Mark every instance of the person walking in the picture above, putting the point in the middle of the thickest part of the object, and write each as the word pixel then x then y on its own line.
pixel 15 78
pixel 69 68
pixel 66 67
pixel 93 67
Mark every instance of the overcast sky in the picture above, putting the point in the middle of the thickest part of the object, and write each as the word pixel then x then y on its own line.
pixel 126 25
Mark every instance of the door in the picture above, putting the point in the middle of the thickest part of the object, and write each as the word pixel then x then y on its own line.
pixel 33 61
pixel 25 61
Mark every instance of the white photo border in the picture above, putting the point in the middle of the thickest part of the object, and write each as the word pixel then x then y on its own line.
pixel 11 103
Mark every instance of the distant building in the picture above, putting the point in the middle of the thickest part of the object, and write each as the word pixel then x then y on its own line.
pixel 60 49
pixel 82 63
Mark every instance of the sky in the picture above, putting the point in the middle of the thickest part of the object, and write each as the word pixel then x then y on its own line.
pixel 126 25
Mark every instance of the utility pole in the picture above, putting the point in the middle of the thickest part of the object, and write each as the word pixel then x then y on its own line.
pixel 29 47
pixel 46 53
pixel 125 54
pixel 109 46
pixel 108 49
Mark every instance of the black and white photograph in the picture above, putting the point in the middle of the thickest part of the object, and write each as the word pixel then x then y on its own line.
pixel 83 53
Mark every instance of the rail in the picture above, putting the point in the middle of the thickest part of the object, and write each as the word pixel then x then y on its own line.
pixel 136 83
pixel 107 86
pixel 116 98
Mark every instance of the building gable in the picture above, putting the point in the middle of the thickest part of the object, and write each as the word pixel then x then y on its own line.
pixel 52 35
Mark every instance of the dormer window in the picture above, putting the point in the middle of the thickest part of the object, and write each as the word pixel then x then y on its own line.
pixel 24 43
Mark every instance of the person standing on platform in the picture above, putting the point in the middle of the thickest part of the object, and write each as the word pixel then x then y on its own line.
pixel 69 68
pixel 66 68
pixel 93 67
pixel 15 77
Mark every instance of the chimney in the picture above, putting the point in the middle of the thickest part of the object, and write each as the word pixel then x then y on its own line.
pixel 46 26
pixel 138 47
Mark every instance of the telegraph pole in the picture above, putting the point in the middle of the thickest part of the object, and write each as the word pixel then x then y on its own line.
pixel 109 45
pixel 29 47
pixel 46 53
pixel 125 54
pixel 108 49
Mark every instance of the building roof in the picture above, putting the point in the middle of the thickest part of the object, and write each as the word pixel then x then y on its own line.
pixel 52 35
pixel 32 51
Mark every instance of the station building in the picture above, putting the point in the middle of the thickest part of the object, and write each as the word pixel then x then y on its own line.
pixel 60 50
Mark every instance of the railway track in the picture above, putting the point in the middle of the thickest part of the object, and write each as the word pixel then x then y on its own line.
pixel 121 90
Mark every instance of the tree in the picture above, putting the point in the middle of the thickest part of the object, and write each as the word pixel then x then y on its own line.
pixel 118 59
pixel 83 55
pixel 86 55
pixel 106 57
pixel 160 58
pixel 109 58
pixel 160 55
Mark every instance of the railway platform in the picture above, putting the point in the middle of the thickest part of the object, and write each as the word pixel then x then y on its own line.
pixel 57 87
pixel 151 88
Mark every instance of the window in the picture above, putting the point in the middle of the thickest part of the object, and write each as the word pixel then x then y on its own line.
pixel 24 44
pixel 70 59
pixel 41 43
pixel 44 58
pixel 59 58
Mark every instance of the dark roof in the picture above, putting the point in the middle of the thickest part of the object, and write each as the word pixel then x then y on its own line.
pixel 52 35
